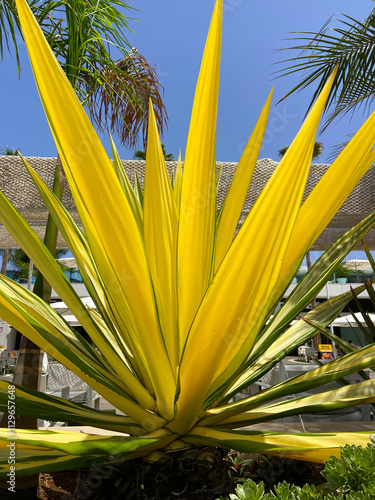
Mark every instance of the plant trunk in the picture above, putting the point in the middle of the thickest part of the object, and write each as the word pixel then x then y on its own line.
pixel 5 261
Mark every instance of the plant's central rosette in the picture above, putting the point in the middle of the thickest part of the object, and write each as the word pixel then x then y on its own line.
pixel 182 300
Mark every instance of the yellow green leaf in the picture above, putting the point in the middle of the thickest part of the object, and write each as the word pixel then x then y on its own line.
pixel 127 187
pixel 47 407
pixel 316 447
pixel 335 399
pixel 198 200
pixel 308 381
pixel 160 234
pixel 178 183
pixel 60 450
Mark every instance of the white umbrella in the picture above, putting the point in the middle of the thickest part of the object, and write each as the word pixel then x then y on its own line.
pixel 349 320
pixel 63 309
pixel 72 320
pixel 68 262
pixel 357 265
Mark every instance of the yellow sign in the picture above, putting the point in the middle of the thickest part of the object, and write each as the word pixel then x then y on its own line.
pixel 325 351
pixel 324 347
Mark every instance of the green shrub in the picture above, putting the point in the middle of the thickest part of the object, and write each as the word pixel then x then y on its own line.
pixel 272 470
pixel 248 491
pixel 353 472
pixel 286 491
pixel 283 491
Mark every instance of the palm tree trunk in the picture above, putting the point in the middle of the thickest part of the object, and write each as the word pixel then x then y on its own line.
pixel 30 275
pixel 5 261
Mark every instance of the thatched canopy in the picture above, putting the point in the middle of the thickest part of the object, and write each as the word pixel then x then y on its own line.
pixel 19 189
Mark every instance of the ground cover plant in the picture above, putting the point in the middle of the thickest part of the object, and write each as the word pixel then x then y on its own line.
pixel 350 477
pixel 182 300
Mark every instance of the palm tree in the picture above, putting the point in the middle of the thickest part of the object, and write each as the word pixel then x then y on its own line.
pixel 317 151
pixel 81 35
pixel 350 48
pixel 120 103
pixel 4 253
pixel 21 262
pixel 167 156
pixel 7 151
pixel 141 155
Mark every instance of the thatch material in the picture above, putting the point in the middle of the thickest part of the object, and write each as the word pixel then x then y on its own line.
pixel 19 189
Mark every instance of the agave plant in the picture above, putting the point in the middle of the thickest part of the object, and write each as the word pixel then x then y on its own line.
pixel 182 300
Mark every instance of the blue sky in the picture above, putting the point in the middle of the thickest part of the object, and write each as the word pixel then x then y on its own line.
pixel 171 34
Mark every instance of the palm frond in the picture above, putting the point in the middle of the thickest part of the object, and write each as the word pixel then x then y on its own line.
pixel 116 92
pixel 351 48
pixel 9 29
pixel 83 36
pixel 118 100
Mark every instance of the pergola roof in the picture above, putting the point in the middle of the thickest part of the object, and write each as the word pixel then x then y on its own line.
pixel 17 186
